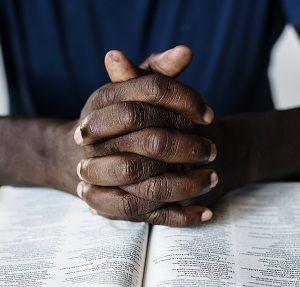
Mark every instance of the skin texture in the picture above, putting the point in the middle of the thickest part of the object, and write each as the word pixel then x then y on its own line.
pixel 151 182
pixel 51 156
pixel 137 123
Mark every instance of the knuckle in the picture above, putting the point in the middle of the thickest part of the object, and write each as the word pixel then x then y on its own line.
pixel 158 217
pixel 169 218
pixel 182 122
pixel 158 86
pixel 103 96
pixel 130 114
pixel 129 206
pixel 158 143
pixel 158 189
pixel 131 169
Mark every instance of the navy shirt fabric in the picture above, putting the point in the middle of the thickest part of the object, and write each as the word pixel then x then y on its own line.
pixel 53 50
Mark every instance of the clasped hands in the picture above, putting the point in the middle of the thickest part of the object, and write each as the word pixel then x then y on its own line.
pixel 148 154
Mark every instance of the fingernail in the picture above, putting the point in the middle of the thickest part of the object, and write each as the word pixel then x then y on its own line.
pixel 79 170
pixel 213 153
pixel 206 215
pixel 115 58
pixel 93 211
pixel 80 188
pixel 78 136
pixel 213 179
pixel 114 55
pixel 208 115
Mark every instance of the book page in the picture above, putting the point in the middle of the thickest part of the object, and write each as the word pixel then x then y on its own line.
pixel 254 240
pixel 48 238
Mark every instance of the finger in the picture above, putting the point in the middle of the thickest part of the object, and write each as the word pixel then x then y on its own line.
pixel 174 186
pixel 162 144
pixel 172 216
pixel 115 170
pixel 117 204
pixel 119 67
pixel 156 90
pixel 178 216
pixel 169 63
pixel 206 199
pixel 125 117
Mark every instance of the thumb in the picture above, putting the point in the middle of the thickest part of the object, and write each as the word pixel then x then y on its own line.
pixel 119 67
pixel 169 63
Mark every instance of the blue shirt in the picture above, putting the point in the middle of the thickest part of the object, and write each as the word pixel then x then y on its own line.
pixel 54 50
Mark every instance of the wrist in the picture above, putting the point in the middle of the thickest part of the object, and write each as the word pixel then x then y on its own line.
pixel 276 144
pixel 257 147
pixel 236 151
pixel 31 152
pixel 62 157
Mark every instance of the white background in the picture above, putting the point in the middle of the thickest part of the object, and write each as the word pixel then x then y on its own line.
pixel 284 73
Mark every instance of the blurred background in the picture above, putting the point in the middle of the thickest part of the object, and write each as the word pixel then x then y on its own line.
pixel 284 73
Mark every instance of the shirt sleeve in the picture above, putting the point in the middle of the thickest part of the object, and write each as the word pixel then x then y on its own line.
pixel 291 10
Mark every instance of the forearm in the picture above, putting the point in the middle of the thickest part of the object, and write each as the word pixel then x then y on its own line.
pixel 277 146
pixel 32 153
pixel 260 147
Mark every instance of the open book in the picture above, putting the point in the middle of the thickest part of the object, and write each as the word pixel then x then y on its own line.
pixel 48 238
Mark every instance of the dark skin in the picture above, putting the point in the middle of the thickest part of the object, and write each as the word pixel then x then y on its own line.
pixel 53 162
pixel 146 172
